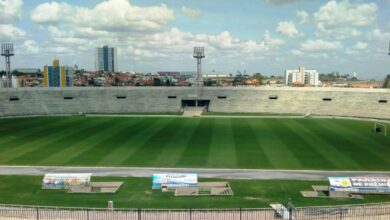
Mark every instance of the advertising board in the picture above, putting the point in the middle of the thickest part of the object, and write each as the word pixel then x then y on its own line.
pixel 174 180
pixel 65 180
pixel 360 184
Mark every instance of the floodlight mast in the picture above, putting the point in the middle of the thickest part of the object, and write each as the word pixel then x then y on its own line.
pixel 199 55
pixel 7 51
pixel 389 48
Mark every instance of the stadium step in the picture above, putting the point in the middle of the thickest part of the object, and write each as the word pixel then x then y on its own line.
pixel 193 111
pixel 281 211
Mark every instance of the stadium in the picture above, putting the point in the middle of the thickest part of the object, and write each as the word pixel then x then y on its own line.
pixel 120 125
pixel 268 143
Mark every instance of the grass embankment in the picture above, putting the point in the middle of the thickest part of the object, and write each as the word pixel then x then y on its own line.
pixel 137 193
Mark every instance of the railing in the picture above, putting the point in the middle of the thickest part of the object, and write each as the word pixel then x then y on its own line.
pixel 352 212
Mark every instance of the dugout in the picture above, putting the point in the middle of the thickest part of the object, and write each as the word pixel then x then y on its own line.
pixel 195 103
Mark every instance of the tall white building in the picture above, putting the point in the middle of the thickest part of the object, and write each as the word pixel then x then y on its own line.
pixel 106 59
pixel 302 76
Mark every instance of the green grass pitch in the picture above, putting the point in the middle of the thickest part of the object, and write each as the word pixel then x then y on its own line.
pixel 194 142
pixel 137 193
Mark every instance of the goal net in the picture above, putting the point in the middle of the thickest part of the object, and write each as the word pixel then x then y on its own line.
pixel 380 128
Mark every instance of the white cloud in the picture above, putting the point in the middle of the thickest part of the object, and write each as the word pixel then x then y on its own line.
pixel 51 12
pixel 378 35
pixel 136 30
pixel 343 19
pixel 336 13
pixel 110 15
pixel 303 16
pixel 56 50
pixel 30 47
pixel 349 51
pixel 360 46
pixel 10 11
pixel 287 28
pixel 296 52
pixel 178 42
pixel 283 2
pixel 321 45
pixel 269 41
pixel 191 12
pixel 10 33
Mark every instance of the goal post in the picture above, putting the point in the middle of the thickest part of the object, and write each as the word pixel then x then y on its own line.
pixel 380 127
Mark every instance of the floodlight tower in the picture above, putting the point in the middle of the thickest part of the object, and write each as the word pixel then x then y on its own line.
pixel 7 51
pixel 389 49
pixel 199 55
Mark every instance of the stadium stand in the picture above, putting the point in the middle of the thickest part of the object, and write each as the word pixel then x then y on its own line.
pixel 316 101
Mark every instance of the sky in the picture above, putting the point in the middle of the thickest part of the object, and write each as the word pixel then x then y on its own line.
pixel 266 36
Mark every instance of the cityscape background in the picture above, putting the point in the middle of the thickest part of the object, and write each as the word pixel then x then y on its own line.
pixel 246 44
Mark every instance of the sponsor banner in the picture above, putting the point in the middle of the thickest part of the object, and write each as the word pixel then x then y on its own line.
pixel 174 180
pixel 65 180
pixel 360 184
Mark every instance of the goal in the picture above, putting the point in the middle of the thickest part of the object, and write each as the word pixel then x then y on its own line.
pixel 380 128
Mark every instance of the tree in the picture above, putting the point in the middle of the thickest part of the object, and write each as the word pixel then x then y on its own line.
pixel 386 83
pixel 15 73
pixel 209 82
pixel 259 77
pixel 238 80
pixel 169 82
pixel 157 82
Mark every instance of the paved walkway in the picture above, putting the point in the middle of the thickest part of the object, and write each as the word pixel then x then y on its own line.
pixel 243 116
pixel 202 172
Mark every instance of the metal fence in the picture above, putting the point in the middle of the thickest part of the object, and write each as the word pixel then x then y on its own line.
pixel 353 212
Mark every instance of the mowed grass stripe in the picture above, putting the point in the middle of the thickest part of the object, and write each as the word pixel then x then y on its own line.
pixel 314 135
pixel 30 130
pixel 175 146
pixel 104 148
pixel 13 129
pixel 195 142
pixel 363 155
pixel 362 140
pixel 152 148
pixel 267 142
pixel 139 140
pixel 279 151
pixel 75 144
pixel 365 130
pixel 249 150
pixel 91 141
pixel 63 139
pixel 222 148
pixel 303 150
pixel 123 147
pixel 197 151
pixel 33 140
pixel 100 144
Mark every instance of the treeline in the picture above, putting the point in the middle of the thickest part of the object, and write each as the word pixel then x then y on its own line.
pixel 386 83
pixel 335 76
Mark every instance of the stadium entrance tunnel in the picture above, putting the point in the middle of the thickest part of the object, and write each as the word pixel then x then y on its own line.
pixel 195 103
